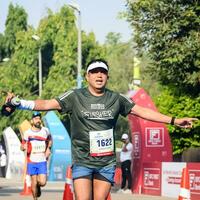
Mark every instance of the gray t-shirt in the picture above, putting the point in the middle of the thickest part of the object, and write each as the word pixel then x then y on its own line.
pixel 92 123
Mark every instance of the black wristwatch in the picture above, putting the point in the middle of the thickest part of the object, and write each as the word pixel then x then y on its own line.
pixel 172 120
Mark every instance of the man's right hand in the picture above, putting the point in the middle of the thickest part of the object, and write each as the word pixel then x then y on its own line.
pixel 9 97
pixel 23 147
pixel 9 107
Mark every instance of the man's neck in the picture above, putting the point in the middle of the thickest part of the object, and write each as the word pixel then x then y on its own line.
pixel 96 92
pixel 35 128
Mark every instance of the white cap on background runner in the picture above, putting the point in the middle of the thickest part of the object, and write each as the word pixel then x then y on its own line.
pixel 124 136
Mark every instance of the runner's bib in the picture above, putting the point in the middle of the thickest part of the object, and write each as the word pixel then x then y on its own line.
pixel 101 143
pixel 38 146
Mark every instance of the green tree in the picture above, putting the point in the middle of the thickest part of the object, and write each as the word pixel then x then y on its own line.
pixel 120 58
pixel 91 49
pixel 2 48
pixel 180 106
pixel 20 76
pixel 16 21
pixel 112 38
pixel 59 31
pixel 169 31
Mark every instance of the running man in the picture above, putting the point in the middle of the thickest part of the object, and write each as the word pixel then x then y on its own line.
pixel 94 111
pixel 37 143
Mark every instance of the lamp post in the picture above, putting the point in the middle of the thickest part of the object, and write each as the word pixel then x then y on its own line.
pixel 79 77
pixel 37 38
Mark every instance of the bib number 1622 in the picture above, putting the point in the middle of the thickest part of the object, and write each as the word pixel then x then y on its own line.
pixel 104 142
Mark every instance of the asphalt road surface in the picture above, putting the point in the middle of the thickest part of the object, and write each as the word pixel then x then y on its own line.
pixel 11 189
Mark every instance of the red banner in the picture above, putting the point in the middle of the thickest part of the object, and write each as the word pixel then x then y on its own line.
pixel 152 178
pixel 194 174
pixel 150 140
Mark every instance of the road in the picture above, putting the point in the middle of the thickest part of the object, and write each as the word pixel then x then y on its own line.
pixel 10 190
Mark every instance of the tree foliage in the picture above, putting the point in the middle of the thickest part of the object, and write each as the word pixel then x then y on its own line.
pixel 120 58
pixel 181 106
pixel 169 31
pixel 16 21
pixel 58 31
pixel 2 48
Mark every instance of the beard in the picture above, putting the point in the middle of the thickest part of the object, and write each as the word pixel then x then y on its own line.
pixel 38 125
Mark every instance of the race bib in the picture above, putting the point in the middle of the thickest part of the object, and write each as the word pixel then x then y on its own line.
pixel 101 143
pixel 38 146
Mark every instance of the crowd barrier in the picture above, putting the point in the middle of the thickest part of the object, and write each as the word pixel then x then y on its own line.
pixel 164 179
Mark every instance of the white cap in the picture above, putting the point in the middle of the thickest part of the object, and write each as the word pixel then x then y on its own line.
pixel 97 64
pixel 124 136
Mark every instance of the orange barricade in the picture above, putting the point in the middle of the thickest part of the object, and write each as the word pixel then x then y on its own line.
pixel 27 186
pixel 118 176
pixel 68 192
pixel 25 125
pixel 185 186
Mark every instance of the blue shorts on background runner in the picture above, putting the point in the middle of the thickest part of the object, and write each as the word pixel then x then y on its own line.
pixel 37 168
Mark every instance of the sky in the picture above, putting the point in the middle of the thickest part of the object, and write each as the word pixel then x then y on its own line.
pixel 98 16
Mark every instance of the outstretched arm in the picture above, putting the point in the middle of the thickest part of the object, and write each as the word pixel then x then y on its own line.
pixel 44 105
pixel 152 115
pixel 40 105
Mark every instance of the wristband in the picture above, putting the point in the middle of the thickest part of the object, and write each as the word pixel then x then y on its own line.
pixel 172 120
pixel 26 105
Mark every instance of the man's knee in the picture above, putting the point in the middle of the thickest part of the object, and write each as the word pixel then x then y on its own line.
pixel 83 189
pixel 42 183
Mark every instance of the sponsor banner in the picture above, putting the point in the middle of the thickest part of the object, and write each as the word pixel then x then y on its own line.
pixel 15 157
pixel 151 179
pixel 171 178
pixel 61 150
pixel 136 141
pixel 154 136
pixel 151 141
pixel 194 174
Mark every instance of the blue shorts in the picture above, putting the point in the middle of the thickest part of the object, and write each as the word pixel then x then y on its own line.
pixel 104 173
pixel 37 168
